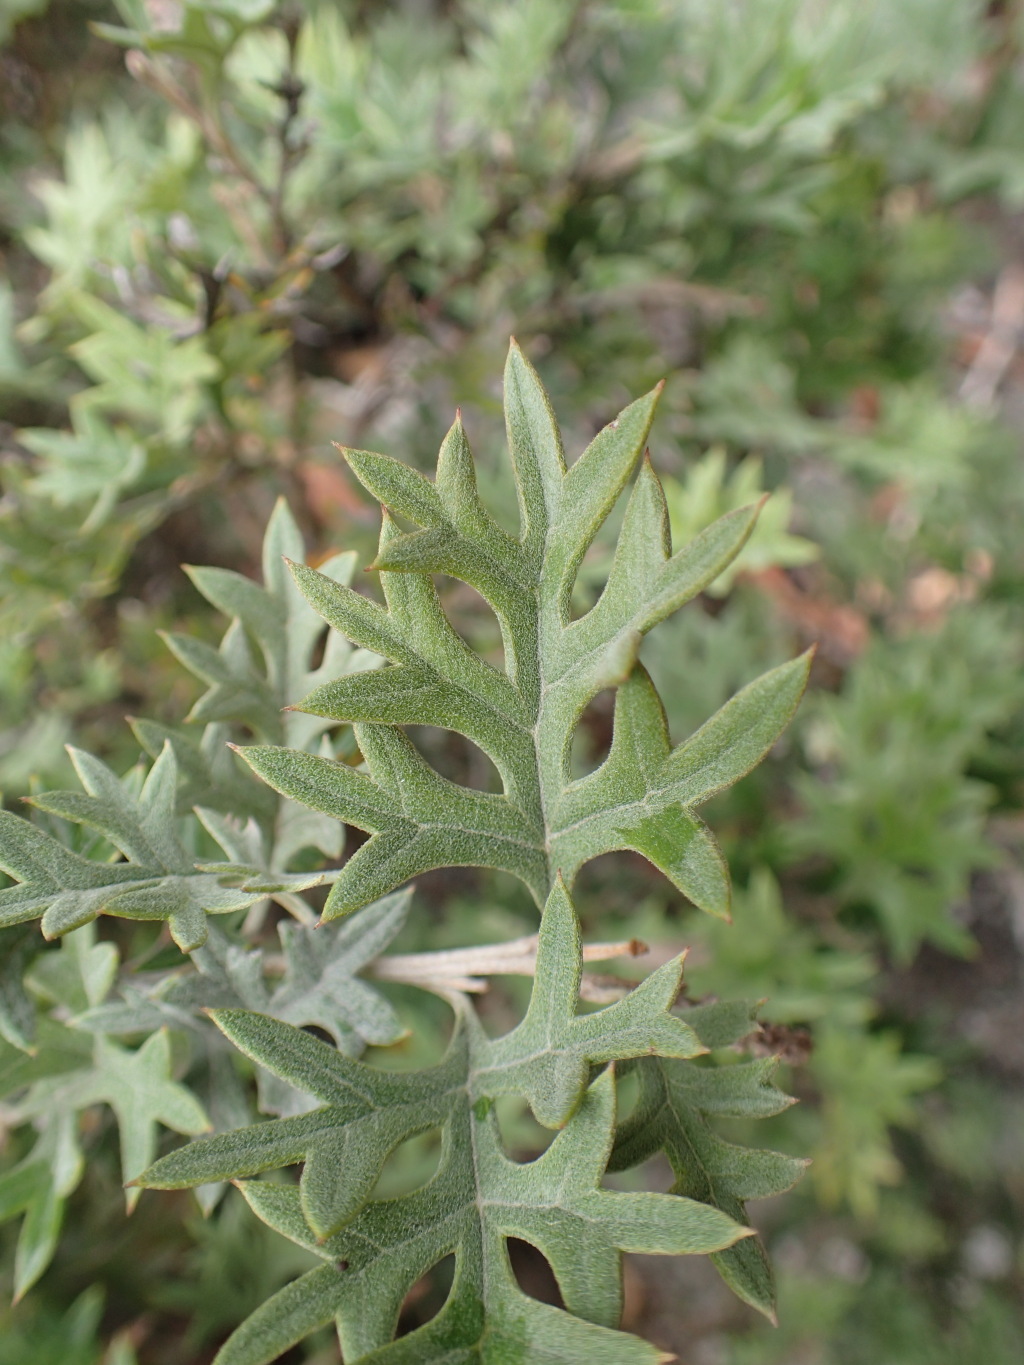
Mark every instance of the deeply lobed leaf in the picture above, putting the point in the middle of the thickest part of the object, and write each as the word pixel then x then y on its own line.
pixel 320 987
pixel 375 1250
pixel 542 828
pixel 68 1073
pixel 677 1097
pixel 644 796
pixel 156 880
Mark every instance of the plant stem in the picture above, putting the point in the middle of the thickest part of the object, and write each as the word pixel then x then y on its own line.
pixel 467 969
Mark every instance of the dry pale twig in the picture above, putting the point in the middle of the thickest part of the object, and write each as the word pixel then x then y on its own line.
pixel 467 969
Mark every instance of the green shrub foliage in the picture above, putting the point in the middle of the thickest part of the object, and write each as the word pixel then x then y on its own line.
pixel 234 231
pixel 137 856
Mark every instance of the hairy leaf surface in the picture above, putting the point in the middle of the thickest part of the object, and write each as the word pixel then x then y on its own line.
pixel 284 628
pixel 319 986
pixel 157 880
pixel 375 1250
pixel 643 797
pixel 677 1098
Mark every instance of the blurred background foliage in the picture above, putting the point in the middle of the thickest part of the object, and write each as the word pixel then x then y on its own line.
pixel 237 230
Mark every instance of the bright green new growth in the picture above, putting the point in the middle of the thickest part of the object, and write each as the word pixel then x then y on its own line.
pixel 644 796
pixel 376 1250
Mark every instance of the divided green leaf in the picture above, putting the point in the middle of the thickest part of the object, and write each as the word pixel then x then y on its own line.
pixel 285 629
pixel 37 1188
pixel 317 986
pixel 68 1073
pixel 137 1086
pixel 376 1249
pixel 157 879
pixel 677 1098
pixel 644 796
pixel 384 667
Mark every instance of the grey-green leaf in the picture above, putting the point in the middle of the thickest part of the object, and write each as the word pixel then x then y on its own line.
pixel 524 719
pixel 158 880
pixel 676 1099
pixel 375 1249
